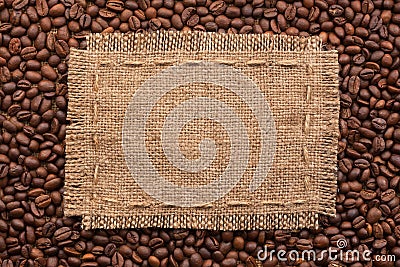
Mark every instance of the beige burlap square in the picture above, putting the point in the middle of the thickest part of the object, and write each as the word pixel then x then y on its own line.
pixel 202 130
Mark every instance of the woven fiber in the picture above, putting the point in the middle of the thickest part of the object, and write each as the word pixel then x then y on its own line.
pixel 202 130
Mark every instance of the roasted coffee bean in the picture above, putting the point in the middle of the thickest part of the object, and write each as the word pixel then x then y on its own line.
pixel 373 215
pixel 107 14
pixel 48 229
pixel 110 249
pixel 43 201
pixel 156 243
pixel 395 159
pixel 379 124
pixel 321 241
pixel 42 7
pixel 358 222
pixel 115 5
pixel 61 48
pixel 117 260
pixel 144 252
pixel 229 262
pixel 132 237
pixel 155 24
pixel 28 53
pixel 85 21
pixel 368 194
pixel 270 13
pixel 218 7
pixel 62 234
pixel 134 23
pixel 388 195
pixel 304 244
pixel 19 4
pixel 290 12
pixel 354 85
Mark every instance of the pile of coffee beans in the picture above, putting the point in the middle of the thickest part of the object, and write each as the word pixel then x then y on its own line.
pixel 35 40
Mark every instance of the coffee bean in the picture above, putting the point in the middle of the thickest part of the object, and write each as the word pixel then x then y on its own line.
pixel 161 253
pixel 48 229
pixel 98 250
pixel 42 7
pixel 117 260
pixel 395 159
pixel 388 195
pixel 304 244
pixel 134 23
pixel 270 13
pixel 290 12
pixel 155 243
pixel 368 194
pixel 115 5
pixel 85 21
pixel 367 6
pixel 110 249
pixel 188 13
pixel 379 124
pixel 361 163
pixel 43 201
pixel 238 243
pixel 14 46
pixel 358 222
pixel 28 53
pixel 196 260
pixel 107 14
pixel 132 237
pixel 155 24
pixel 31 162
pixel 354 85
pixel 373 215
pixel 366 74
pixel 144 252
pixel 211 243
pixel 228 262
pixel 57 10
pixel 62 234
pixel 218 7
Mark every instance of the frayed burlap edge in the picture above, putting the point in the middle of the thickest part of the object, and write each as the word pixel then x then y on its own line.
pixel 163 41
pixel 80 170
pixel 295 220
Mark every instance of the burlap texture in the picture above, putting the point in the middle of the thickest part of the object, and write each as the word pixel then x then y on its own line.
pixel 298 82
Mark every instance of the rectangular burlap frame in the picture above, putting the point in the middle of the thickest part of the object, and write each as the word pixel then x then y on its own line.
pixel 113 82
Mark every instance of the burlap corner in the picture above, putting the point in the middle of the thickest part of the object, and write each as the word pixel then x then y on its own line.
pixel 280 123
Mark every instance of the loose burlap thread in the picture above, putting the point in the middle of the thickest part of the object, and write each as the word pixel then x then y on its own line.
pixel 299 84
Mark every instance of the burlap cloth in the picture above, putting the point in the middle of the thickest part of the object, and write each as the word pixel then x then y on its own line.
pixel 201 130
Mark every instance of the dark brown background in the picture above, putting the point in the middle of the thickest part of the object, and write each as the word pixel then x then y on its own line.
pixel 35 37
